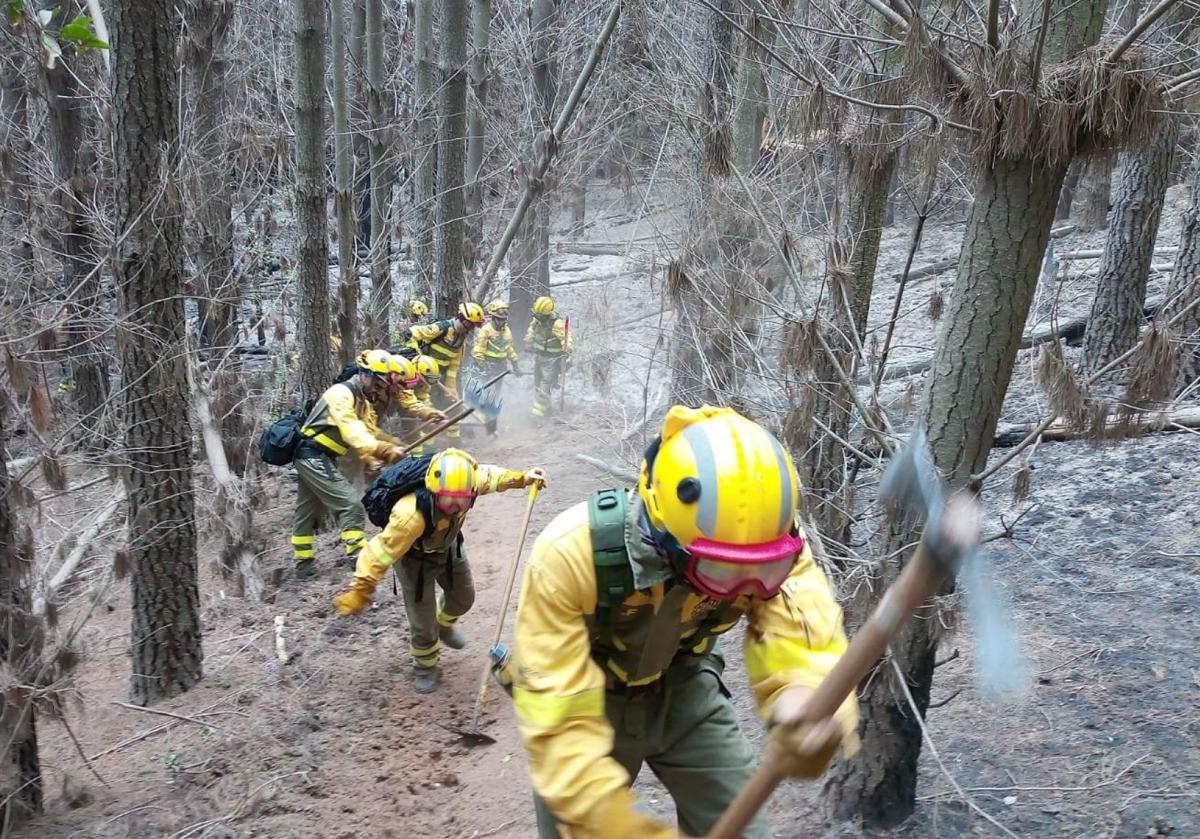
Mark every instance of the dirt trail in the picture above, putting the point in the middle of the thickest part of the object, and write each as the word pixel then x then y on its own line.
pixel 335 743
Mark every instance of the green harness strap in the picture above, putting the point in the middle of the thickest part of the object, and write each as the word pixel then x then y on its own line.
pixel 607 510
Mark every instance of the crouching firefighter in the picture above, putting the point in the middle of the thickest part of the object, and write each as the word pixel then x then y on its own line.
pixel 615 662
pixel 422 503
pixel 342 420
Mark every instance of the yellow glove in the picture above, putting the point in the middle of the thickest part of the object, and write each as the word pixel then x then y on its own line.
pixel 358 598
pixel 619 818
pixel 536 476
pixel 802 749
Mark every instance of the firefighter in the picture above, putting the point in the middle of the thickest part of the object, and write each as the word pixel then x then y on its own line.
pixel 551 343
pixel 429 374
pixel 494 350
pixel 423 535
pixel 417 310
pixel 342 420
pixel 615 661
pixel 446 341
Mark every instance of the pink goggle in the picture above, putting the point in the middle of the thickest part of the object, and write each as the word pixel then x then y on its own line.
pixel 725 572
pixel 451 502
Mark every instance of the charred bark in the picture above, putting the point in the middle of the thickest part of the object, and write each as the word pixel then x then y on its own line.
pixel 1185 288
pixel 1129 250
pixel 312 270
pixel 20 654
pixel 426 148
pixel 481 25
pixel 148 266
pixel 451 226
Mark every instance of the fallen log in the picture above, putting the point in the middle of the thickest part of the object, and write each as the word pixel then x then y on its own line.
pixel 1068 330
pixel 601 248
pixel 924 272
pixel 604 466
pixel 1096 253
pixel 1012 434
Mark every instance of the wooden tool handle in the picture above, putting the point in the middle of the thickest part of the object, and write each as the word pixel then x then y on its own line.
pixel 919 579
pixel 453 421
pixel 454 407
pixel 508 587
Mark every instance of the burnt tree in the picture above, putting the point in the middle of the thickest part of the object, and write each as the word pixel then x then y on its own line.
pixel 148 267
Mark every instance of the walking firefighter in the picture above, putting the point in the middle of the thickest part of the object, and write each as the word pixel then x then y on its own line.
pixel 446 342
pixel 551 343
pixel 494 349
pixel 422 504
pixel 615 661
pixel 344 419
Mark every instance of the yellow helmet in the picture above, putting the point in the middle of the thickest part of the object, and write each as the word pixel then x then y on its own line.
pixel 471 312
pixel 404 369
pixel 417 308
pixel 428 368
pixel 498 309
pixel 543 306
pixel 374 361
pixel 720 495
pixel 451 480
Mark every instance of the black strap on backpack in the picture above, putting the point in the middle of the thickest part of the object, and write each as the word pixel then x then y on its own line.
pixel 607 510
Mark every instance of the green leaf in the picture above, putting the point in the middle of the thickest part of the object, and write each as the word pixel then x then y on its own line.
pixel 80 32
pixel 15 9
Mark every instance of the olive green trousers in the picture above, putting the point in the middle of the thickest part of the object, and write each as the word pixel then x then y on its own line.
pixel 688 733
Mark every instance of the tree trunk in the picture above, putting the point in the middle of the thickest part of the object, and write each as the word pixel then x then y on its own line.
pixel 67 110
pixel 1091 195
pixel 209 206
pixel 692 369
pixel 1128 250
pixel 343 195
pixel 1005 237
pixel 148 267
pixel 362 154
pixel 312 271
pixel 425 87
pixel 481 25
pixel 451 288
pixel 1185 288
pixel 1070 185
pixel 870 163
pixel 20 650
pixel 530 265
pixel 381 275
pixel 751 110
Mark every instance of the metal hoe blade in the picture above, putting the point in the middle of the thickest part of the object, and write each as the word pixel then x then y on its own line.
pixel 470 738
pixel 482 400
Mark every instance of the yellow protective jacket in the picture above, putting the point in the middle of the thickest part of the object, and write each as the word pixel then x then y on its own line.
pixel 414 404
pixel 406 525
pixel 560 671
pixel 344 419
pixel 446 341
pixel 492 344
pixel 552 339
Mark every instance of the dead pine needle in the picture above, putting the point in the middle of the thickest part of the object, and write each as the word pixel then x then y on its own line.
pixel 1057 382
pixel 1153 369
pixel 937 305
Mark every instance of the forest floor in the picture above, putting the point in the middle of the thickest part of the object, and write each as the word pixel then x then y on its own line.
pixel 1101 572
pixel 336 743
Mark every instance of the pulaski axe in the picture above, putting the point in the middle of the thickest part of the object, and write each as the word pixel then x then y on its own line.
pixel 910 486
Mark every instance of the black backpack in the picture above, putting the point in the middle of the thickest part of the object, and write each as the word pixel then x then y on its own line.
pixel 395 482
pixel 349 371
pixel 277 445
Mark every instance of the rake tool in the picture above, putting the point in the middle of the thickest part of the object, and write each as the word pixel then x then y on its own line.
pixel 477 398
